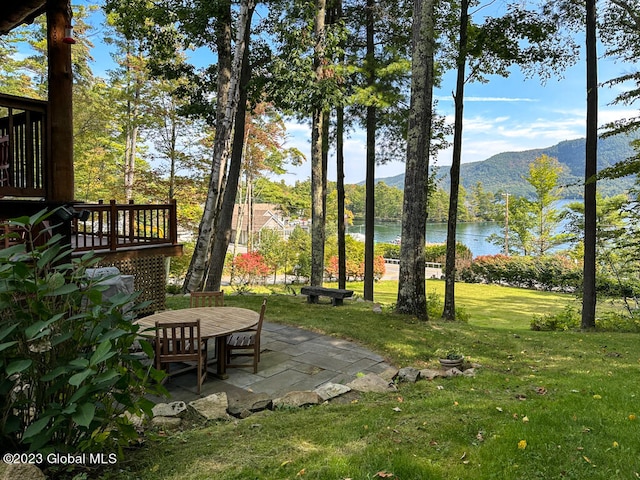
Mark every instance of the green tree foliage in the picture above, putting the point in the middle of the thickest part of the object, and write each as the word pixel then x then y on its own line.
pixel 531 225
pixel 618 268
pixel 543 177
pixel 299 246
pixel 273 249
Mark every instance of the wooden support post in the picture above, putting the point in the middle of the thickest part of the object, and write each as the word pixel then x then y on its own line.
pixel 60 172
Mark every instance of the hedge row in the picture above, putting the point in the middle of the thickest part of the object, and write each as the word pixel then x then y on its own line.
pixel 552 272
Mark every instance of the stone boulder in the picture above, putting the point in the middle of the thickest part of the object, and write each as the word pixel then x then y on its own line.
pixel 408 374
pixel 20 471
pixel 244 404
pixel 371 383
pixel 212 407
pixel 297 399
pixel 331 390
pixel 172 409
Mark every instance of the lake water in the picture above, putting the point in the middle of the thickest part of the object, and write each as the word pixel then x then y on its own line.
pixel 473 235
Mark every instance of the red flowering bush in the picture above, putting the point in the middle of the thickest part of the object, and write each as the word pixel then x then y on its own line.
pixel 249 267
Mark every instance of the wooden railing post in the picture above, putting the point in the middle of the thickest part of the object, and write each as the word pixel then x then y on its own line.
pixel 173 223
pixel 131 222
pixel 113 224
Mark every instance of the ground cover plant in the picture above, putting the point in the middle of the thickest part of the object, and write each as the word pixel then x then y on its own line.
pixel 542 404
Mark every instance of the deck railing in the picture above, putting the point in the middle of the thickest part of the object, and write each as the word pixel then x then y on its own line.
pixel 116 226
pixel 23 125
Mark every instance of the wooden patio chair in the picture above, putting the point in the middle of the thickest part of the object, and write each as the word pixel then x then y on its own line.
pixel 247 342
pixel 4 161
pixel 207 299
pixel 181 343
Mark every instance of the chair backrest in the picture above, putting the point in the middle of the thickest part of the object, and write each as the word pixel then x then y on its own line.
pixel 177 342
pixel 4 160
pixel 263 309
pixel 207 299
pixel 4 150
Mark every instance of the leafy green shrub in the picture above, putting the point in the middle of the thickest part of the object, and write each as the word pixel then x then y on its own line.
pixel 619 322
pixel 66 371
pixel 434 304
pixel 388 250
pixel 568 319
pixel 553 272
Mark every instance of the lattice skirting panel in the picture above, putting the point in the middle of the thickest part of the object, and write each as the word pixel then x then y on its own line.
pixel 149 278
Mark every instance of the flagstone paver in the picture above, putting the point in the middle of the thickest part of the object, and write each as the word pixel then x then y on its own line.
pixel 292 359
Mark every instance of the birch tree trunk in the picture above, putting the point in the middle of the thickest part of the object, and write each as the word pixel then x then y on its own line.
pixel 223 230
pixel 318 170
pixel 195 278
pixel 411 281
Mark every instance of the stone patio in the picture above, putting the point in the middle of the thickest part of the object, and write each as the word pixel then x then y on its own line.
pixel 292 359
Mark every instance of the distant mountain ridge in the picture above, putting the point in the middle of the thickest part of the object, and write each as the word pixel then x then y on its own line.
pixel 505 172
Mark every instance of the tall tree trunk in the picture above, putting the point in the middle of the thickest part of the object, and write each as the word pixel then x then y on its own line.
pixel 133 109
pixel 342 219
pixel 411 280
pixel 173 157
pixel 342 247
pixel 449 311
pixel 198 268
pixel 591 168
pixel 223 230
pixel 370 188
pixel 318 170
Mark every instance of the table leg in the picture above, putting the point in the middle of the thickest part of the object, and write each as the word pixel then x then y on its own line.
pixel 221 354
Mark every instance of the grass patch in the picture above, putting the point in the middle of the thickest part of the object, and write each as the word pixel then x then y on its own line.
pixel 543 404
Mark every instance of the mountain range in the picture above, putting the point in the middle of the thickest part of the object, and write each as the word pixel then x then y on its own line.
pixel 506 172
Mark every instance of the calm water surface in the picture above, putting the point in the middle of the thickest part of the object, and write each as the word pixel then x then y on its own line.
pixel 473 235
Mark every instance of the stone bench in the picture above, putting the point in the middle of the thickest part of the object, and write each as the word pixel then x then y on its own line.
pixel 337 295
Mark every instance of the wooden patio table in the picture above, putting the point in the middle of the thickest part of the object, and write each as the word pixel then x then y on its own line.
pixel 215 322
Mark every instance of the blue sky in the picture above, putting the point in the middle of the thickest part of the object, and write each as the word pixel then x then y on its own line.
pixel 506 114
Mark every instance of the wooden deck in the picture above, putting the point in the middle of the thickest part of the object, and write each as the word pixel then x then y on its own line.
pixel 115 228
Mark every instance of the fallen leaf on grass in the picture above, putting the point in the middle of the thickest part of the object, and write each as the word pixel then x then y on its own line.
pixel 586 459
pixel 383 474
pixel 499 409
pixel 541 390
pixel 286 462
pixel 397 409
pixel 525 419
pixel 300 473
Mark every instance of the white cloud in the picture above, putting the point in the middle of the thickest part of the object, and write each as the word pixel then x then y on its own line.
pixel 443 98
pixel 484 134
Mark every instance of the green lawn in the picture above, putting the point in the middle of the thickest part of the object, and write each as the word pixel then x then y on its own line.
pixel 542 405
